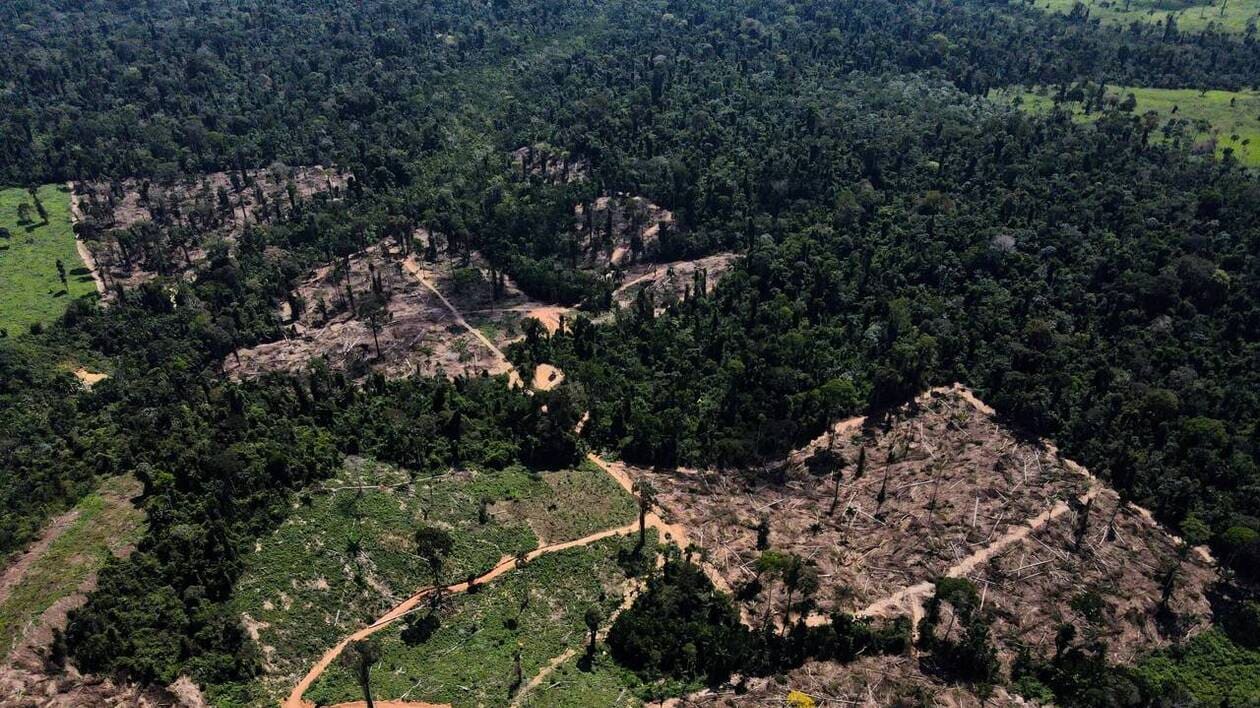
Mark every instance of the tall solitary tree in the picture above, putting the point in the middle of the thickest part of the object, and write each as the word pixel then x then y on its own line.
pixel 593 617
pixel 359 656
pixel 434 545
pixel 647 498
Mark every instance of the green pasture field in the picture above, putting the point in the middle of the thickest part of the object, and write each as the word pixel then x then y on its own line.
pixel 346 553
pixel 1229 118
pixel 469 660
pixel 1227 15
pixel 30 287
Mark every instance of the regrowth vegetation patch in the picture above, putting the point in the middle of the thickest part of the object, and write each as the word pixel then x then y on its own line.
pixel 1203 122
pixel 1213 669
pixel 347 553
pixel 1188 15
pixel 534 613
pixel 35 236
pixel 100 526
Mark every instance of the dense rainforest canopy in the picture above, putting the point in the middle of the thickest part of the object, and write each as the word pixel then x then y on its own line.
pixel 895 230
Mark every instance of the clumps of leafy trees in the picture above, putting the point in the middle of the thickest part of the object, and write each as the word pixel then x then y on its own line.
pixel 237 454
pixel 961 650
pixel 682 629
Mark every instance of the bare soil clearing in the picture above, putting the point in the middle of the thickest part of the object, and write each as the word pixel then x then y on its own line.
pixel 212 207
pixel 89 378
pixel 1031 586
pixel 619 230
pixel 961 497
pixel 547 377
pixel 955 482
pixel 469 289
pixel 669 282
pixel 870 682
pixel 551 164
pixel 416 331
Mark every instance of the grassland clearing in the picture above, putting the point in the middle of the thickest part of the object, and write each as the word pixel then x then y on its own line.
pixel 39 587
pixel 31 288
pixel 578 684
pixel 1226 15
pixel 469 660
pixel 1204 122
pixel 346 553
pixel 572 504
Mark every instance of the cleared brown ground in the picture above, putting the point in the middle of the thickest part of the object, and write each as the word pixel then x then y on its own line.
pixel 1030 587
pixel 964 497
pixel 209 208
pixel 549 163
pixel 669 282
pixel 500 315
pixel 417 333
pixel 871 682
pixel 617 231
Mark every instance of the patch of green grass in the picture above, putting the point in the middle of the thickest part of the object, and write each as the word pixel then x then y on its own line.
pixel 572 504
pixel 490 330
pixel 469 660
pixel 346 555
pixel 1222 120
pixel 105 523
pixel 1191 16
pixel 30 288
pixel 576 684
pixel 1212 667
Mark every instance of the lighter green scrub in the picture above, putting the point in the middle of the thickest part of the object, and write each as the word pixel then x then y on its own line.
pixel 1230 119
pixel 1227 15
pixel 1214 669
pixel 578 684
pixel 101 525
pixel 346 553
pixel 537 610
pixel 30 287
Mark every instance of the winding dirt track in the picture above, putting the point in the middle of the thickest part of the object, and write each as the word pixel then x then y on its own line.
pixel 909 598
pixel 505 366
pixel 85 254
pixel 614 470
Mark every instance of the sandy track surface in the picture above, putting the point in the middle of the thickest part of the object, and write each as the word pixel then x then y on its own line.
pixel 403 608
pixel 505 366
pixel 85 253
